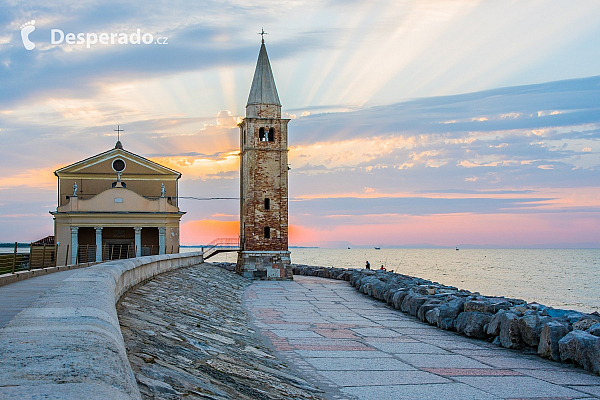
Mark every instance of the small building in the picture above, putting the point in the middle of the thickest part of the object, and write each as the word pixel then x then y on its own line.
pixel 116 205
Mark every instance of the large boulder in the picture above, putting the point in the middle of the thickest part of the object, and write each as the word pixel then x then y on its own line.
pixel 432 316
pixel 554 313
pixel 552 333
pixel 449 311
pixel 476 305
pixel 497 304
pixel 377 290
pixel 509 331
pixel 398 298
pixel 594 329
pixel 584 324
pixel 389 295
pixel 472 323
pixel 426 307
pixel 412 302
pixel 365 284
pixel 582 349
pixel 493 328
pixel 530 327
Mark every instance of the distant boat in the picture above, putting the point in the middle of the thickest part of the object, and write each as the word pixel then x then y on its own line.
pixel 377 248
pixel 457 249
pixel 348 248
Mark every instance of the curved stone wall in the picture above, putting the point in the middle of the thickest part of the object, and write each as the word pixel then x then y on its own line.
pixel 68 344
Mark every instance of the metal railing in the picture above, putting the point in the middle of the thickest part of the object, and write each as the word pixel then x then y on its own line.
pixel 44 256
pixel 221 245
pixel 87 252
pixel 39 257
pixel 12 262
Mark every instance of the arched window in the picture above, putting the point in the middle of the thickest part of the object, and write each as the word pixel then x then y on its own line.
pixel 271 137
pixel 261 135
pixel 267 232
pixel 267 204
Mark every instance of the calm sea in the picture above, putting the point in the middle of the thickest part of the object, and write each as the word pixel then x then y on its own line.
pixel 567 278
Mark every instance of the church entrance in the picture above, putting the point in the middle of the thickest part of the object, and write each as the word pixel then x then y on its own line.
pixel 150 245
pixel 118 243
pixel 87 245
pixel 118 249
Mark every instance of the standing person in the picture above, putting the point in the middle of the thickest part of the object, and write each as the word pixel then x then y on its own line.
pixel 367 265
pixel 382 268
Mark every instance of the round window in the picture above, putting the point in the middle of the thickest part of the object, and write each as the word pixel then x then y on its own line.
pixel 118 165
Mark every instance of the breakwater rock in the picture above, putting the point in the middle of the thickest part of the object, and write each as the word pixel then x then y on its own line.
pixel 188 336
pixel 562 335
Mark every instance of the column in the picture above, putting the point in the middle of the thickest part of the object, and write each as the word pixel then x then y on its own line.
pixel 98 243
pixel 161 240
pixel 138 242
pixel 74 244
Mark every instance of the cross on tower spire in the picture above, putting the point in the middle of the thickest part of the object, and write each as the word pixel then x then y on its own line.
pixel 262 34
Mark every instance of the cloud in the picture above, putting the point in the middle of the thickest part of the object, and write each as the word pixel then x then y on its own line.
pixel 206 230
pixel 364 151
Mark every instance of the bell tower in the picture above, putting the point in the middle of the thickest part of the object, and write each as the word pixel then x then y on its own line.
pixel 263 181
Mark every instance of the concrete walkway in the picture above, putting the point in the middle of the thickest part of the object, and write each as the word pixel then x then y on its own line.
pixel 355 347
pixel 19 295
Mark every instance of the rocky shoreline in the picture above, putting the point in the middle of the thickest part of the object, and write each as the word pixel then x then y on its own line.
pixel 188 336
pixel 562 335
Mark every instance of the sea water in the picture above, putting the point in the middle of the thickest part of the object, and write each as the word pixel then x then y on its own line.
pixel 562 278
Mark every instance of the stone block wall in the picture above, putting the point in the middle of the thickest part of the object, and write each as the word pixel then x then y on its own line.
pixel 272 265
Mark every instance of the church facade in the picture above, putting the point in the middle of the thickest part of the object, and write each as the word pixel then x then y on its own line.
pixel 116 205
pixel 264 250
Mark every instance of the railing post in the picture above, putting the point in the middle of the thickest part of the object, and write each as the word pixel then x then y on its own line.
pixel 14 258
pixel 44 257
pixel 55 254
pixel 66 256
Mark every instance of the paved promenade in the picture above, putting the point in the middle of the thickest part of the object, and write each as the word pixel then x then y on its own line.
pixel 19 295
pixel 354 347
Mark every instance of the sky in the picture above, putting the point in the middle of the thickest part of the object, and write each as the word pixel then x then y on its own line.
pixel 415 122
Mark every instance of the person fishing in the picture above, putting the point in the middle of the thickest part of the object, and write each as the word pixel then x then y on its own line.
pixel 367 265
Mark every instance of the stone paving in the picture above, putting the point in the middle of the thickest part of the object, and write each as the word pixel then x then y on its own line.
pixel 20 295
pixel 354 347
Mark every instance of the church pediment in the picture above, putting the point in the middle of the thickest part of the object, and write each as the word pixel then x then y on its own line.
pixel 118 200
pixel 113 161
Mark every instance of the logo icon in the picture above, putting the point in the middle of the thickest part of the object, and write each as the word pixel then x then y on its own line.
pixel 26 29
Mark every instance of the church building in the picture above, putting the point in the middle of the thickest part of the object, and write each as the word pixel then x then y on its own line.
pixel 116 205
pixel 264 181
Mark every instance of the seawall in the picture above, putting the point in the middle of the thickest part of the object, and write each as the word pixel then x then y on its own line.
pixel 561 335
pixel 68 344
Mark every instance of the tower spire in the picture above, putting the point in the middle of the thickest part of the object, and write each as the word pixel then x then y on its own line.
pixel 263 90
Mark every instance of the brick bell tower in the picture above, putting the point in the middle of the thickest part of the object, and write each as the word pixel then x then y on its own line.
pixel 264 181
